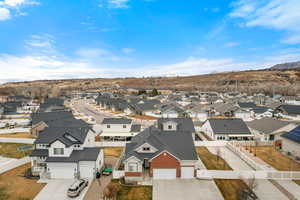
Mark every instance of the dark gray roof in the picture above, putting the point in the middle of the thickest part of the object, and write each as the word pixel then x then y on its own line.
pixel 246 104
pixel 178 143
pixel 267 125
pixel 116 121
pixel 290 109
pixel 39 153
pixel 87 154
pixel 49 116
pixel 229 126
pixel 260 109
pixel 293 135
pixel 183 124
pixel 66 135
pixel 135 128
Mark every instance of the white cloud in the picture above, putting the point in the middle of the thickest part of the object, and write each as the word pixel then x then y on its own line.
pixel 97 54
pixel 29 67
pixel 7 7
pixel 231 44
pixel 128 50
pixel 4 14
pixel 281 15
pixel 118 3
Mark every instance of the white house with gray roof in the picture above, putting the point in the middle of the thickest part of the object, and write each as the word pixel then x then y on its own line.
pixel 227 129
pixel 269 129
pixel 116 129
pixel 66 153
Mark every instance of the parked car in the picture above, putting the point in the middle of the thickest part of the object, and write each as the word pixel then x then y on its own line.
pixel 107 170
pixel 76 187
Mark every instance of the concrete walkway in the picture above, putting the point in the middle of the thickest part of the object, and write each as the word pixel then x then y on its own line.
pixel 265 190
pixel 7 164
pixel 181 189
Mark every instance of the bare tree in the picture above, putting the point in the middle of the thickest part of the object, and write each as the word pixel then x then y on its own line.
pixel 110 191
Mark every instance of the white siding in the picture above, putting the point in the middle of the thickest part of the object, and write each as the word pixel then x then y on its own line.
pixel 62 170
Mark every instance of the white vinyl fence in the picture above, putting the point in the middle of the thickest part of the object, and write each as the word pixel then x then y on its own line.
pixel 110 144
pixel 240 174
pixel 14 130
pixel 210 143
pixel 17 140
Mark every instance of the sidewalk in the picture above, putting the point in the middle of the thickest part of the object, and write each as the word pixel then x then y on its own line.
pixel 265 189
pixel 13 164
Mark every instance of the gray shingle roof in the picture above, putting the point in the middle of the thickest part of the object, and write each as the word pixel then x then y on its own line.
pixel 183 124
pixel 116 121
pixel 39 153
pixel 66 135
pixel 135 128
pixel 290 109
pixel 229 126
pixel 178 143
pixel 87 154
pixel 267 125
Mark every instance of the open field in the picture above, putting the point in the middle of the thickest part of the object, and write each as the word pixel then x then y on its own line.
pixel 133 192
pixel 10 150
pixel 13 186
pixel 276 159
pixel 229 188
pixel 113 151
pixel 17 135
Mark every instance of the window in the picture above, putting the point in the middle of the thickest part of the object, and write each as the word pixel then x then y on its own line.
pixel 58 151
pixel 169 127
pixel 132 167
pixel 124 126
pixel 108 126
pixel 146 148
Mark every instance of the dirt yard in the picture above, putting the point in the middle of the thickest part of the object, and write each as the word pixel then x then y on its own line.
pixel 229 188
pixel 13 186
pixel 134 192
pixel 10 150
pixel 143 117
pixel 17 135
pixel 113 151
pixel 276 159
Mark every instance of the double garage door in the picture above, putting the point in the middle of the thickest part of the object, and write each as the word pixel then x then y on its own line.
pixel 165 174
pixel 168 174
pixel 62 171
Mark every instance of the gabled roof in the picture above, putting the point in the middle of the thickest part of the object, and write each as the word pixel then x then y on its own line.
pixel 49 117
pixel 293 135
pixel 178 143
pixel 183 124
pixel 267 125
pixel 66 135
pixel 246 104
pixel 116 121
pixel 290 109
pixel 228 126
pixel 87 154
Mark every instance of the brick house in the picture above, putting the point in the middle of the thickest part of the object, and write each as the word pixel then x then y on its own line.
pixel 160 154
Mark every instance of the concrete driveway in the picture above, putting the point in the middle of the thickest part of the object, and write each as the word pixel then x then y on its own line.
pixel 57 189
pixel 180 189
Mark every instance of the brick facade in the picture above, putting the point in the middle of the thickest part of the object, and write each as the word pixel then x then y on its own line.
pixel 165 161
pixel 133 173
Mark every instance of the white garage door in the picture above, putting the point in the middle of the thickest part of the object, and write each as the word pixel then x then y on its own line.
pixel 86 171
pixel 62 172
pixel 187 172
pixel 164 174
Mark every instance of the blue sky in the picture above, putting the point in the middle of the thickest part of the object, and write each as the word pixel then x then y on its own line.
pixel 46 39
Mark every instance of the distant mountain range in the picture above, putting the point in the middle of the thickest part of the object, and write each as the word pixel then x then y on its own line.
pixel 290 65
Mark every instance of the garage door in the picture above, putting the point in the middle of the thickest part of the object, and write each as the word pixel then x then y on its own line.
pixel 62 172
pixel 187 172
pixel 164 174
pixel 86 171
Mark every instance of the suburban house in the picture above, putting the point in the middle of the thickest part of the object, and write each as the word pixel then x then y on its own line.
pixel 227 129
pixel 177 124
pixel 198 112
pixel 118 129
pixel 291 142
pixel 171 111
pixel 288 111
pixel 53 105
pixel 290 100
pixel 146 107
pixel 161 155
pixel 66 153
pixel 269 129
pixel 246 105
pixel 12 107
pixel 259 112
pixel 1 109
pixel 42 120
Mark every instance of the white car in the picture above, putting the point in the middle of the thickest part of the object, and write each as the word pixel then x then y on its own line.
pixel 76 187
